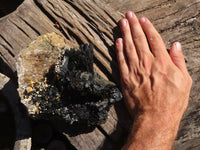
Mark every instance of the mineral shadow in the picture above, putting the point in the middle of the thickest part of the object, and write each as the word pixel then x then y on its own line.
pixel 60 83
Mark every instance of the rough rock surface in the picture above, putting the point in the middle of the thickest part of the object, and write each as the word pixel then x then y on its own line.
pixel 58 81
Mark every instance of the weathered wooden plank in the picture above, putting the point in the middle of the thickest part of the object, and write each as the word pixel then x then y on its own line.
pixel 83 22
pixel 193 144
pixel 81 19
pixel 80 22
pixel 137 5
pixel 176 20
pixel 18 29
pixel 87 141
pixel 88 23
pixel 92 21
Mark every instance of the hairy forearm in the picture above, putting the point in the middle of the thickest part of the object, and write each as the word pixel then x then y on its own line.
pixel 152 134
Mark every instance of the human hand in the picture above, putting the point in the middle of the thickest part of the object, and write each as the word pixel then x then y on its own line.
pixel 155 84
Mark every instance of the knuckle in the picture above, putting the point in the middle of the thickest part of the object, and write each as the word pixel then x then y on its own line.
pixel 122 61
pixel 139 37
pixel 162 61
pixel 129 47
pixel 154 37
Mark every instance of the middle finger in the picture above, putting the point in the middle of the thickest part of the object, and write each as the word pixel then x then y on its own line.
pixel 138 36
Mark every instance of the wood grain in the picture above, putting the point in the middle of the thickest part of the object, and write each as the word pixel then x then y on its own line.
pixel 80 22
pixel 96 21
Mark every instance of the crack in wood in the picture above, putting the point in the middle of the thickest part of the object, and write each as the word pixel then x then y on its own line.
pixel 26 22
pixel 181 23
pixel 20 29
pixel 7 43
pixel 105 134
pixel 165 3
pixel 178 11
pixel 77 29
pixel 6 48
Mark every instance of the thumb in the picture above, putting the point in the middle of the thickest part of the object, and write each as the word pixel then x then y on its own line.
pixel 177 57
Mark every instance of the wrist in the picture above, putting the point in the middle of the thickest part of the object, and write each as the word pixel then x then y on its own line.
pixel 151 132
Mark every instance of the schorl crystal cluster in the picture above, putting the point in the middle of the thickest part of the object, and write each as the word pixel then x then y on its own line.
pixel 58 81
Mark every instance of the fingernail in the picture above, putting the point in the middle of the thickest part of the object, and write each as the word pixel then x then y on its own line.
pixel 178 46
pixel 118 41
pixel 124 22
pixel 143 20
pixel 130 14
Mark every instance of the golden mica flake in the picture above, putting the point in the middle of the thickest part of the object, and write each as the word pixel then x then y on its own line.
pixel 29 89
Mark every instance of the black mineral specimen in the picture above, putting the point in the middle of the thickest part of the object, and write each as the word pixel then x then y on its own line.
pixel 72 90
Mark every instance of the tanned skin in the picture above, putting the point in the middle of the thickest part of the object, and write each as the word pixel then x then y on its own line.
pixel 155 84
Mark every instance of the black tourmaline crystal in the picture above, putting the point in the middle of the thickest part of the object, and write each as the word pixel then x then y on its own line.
pixel 70 89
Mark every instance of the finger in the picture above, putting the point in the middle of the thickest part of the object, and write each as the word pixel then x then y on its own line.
pixel 123 66
pixel 156 43
pixel 129 47
pixel 177 57
pixel 138 36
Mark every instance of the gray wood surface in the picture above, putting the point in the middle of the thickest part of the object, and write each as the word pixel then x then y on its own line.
pixel 80 22
pixel 95 21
